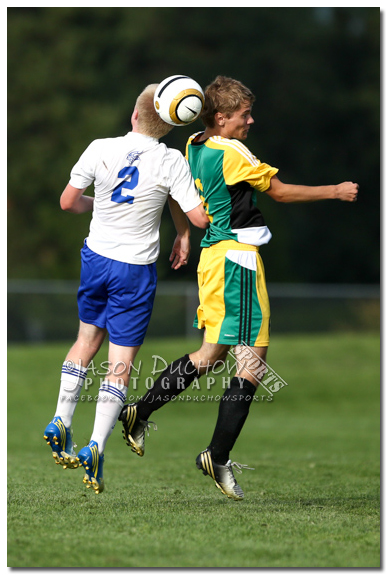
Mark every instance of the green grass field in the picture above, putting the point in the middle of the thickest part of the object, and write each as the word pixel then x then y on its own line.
pixel 312 501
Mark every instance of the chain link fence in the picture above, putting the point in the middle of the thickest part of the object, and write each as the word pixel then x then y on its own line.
pixel 40 311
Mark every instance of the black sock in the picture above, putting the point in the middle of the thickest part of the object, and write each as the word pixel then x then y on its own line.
pixel 174 379
pixel 232 413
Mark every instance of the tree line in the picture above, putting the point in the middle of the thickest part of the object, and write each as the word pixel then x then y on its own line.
pixel 74 75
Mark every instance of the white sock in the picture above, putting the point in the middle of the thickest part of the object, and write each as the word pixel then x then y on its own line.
pixel 111 398
pixel 72 380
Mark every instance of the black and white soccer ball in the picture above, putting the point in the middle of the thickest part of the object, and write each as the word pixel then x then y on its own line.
pixel 179 100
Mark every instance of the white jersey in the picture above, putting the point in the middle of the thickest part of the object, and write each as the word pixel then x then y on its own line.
pixel 132 176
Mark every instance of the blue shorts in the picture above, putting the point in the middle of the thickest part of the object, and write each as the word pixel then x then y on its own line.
pixel 116 296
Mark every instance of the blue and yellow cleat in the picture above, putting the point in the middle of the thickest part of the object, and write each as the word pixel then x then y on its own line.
pixel 60 439
pixel 93 463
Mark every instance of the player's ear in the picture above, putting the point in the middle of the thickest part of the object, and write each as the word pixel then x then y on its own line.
pixel 219 118
pixel 135 116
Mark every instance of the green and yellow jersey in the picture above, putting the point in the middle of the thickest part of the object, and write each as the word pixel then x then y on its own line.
pixel 227 174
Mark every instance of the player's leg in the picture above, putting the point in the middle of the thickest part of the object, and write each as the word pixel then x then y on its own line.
pixel 111 397
pixel 179 375
pixel 135 417
pixel 232 413
pixel 113 392
pixel 74 369
pixel 58 433
pixel 87 344
pixel 131 292
pixel 246 275
pixel 174 379
pixel 208 355
pixel 236 401
pixel 249 317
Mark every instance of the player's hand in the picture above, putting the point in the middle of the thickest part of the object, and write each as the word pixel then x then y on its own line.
pixel 347 192
pixel 180 252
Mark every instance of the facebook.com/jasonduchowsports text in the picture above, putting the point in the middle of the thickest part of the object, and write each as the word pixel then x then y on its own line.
pixel 208 387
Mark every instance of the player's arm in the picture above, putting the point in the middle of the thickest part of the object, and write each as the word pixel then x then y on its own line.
pixel 72 200
pixel 290 193
pixel 184 190
pixel 197 217
pixel 181 248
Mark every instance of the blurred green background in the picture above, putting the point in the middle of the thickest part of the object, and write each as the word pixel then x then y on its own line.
pixel 74 75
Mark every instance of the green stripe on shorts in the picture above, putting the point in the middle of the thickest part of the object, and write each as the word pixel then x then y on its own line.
pixel 243 316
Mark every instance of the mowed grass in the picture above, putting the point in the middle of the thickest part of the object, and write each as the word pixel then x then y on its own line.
pixel 312 500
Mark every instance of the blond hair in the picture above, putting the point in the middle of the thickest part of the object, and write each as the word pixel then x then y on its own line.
pixel 149 123
pixel 224 95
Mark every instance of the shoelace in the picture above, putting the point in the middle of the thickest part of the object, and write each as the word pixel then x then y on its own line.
pixel 240 466
pixel 148 427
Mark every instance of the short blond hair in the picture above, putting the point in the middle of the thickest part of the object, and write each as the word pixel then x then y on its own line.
pixel 224 95
pixel 149 123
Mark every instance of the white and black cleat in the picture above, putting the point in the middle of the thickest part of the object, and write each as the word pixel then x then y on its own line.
pixel 222 474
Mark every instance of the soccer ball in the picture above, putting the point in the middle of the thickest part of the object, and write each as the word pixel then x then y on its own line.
pixel 178 100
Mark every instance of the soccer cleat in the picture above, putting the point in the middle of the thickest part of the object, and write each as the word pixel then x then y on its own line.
pixel 59 438
pixel 222 474
pixel 93 463
pixel 134 428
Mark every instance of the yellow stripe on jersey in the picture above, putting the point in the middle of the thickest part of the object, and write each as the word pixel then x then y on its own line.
pixel 240 165
pixel 238 146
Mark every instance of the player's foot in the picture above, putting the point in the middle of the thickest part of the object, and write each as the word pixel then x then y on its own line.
pixel 93 463
pixel 59 438
pixel 134 428
pixel 222 474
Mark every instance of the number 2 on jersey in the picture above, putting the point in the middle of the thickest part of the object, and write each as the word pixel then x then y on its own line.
pixel 120 195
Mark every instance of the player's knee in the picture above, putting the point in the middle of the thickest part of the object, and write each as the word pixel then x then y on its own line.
pixel 205 359
pixel 92 345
